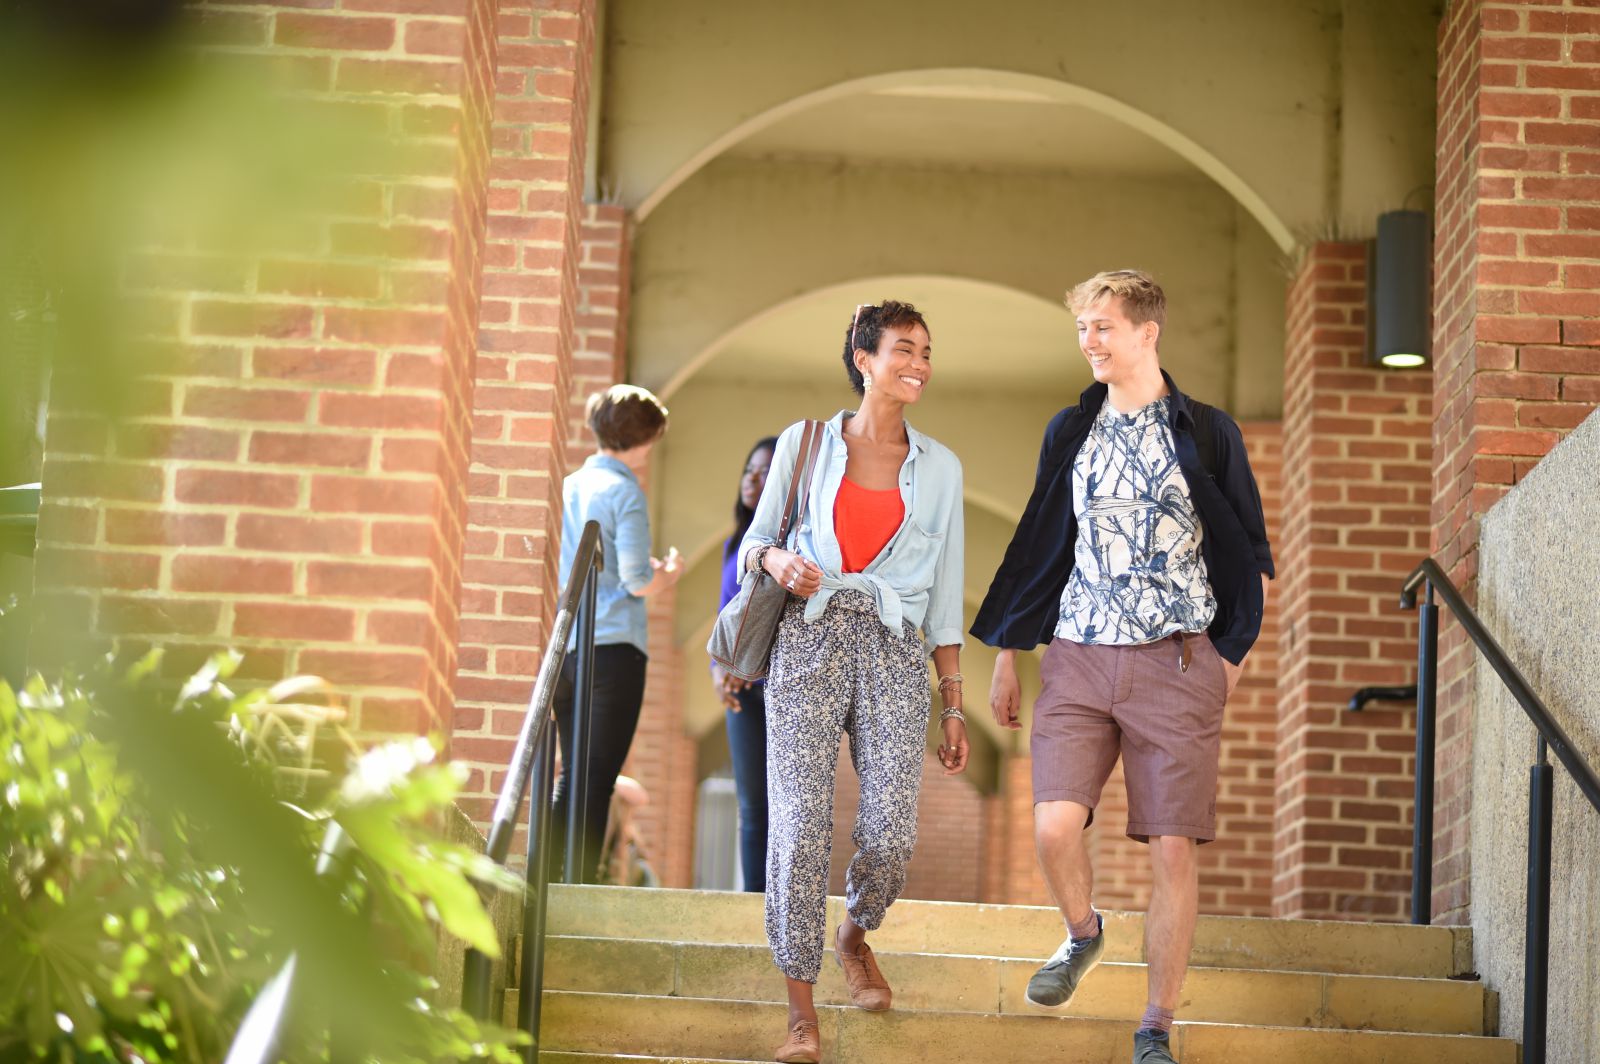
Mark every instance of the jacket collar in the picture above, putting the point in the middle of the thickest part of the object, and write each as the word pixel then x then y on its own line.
pixel 918 441
pixel 1094 397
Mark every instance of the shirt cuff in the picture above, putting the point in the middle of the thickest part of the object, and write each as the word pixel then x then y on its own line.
pixel 946 637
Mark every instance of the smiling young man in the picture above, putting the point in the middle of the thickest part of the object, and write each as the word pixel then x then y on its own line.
pixel 1142 561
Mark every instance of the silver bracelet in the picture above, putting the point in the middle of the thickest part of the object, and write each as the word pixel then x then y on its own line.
pixel 758 557
pixel 952 713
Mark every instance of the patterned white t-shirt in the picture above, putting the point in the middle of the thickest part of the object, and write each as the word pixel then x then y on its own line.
pixel 1138 574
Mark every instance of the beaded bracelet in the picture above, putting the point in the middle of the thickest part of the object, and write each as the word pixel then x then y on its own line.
pixel 952 713
pixel 953 680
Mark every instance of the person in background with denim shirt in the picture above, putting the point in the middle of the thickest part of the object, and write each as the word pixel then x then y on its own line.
pixel 877 581
pixel 746 702
pixel 627 422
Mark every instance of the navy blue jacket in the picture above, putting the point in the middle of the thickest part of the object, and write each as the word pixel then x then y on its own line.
pixel 1024 601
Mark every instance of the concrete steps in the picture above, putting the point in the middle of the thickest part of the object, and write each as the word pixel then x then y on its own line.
pixel 659 976
pixel 676 1028
pixel 1029 932
pixel 944 983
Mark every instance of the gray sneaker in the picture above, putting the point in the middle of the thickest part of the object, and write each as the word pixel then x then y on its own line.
pixel 1152 1047
pixel 1053 985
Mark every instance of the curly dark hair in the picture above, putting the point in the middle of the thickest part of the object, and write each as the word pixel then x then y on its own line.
pixel 867 329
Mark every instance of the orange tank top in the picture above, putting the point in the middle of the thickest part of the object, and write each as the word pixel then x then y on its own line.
pixel 864 522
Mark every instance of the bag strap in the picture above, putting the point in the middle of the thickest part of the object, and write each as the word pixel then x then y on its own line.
pixel 805 461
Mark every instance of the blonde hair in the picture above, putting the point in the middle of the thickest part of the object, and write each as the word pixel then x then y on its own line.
pixel 1140 297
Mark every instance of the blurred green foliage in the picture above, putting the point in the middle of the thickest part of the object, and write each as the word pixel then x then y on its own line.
pixel 158 850
pixel 146 156
pixel 157 865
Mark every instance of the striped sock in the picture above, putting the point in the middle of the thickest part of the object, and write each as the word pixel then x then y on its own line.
pixel 1088 928
pixel 1156 1018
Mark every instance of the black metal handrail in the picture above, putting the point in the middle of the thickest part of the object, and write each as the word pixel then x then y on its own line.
pixel 533 761
pixel 1400 693
pixel 1536 955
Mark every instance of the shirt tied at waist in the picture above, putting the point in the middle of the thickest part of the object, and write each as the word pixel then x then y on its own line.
pixel 883 597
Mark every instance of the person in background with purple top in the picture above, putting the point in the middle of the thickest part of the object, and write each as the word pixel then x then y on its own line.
pixel 746 702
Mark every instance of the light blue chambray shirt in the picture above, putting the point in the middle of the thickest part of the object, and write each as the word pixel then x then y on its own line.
pixel 605 490
pixel 917 577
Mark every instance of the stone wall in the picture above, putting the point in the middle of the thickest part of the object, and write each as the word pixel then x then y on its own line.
pixel 1538 581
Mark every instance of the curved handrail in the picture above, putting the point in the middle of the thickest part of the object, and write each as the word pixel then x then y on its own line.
pixel 539 715
pixel 534 758
pixel 1551 731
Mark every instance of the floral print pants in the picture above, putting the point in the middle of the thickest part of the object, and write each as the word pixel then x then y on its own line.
pixel 846 673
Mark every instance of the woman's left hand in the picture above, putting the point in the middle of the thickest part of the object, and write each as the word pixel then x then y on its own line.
pixel 953 753
pixel 729 687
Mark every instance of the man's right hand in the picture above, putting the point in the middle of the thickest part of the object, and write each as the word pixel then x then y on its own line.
pixel 1005 693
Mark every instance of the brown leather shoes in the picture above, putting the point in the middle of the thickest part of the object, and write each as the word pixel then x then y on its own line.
pixel 803 1046
pixel 868 988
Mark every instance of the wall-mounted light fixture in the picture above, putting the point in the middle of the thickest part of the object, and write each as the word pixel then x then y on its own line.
pixel 1398 298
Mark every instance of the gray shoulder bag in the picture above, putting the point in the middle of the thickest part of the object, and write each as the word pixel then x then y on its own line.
pixel 741 641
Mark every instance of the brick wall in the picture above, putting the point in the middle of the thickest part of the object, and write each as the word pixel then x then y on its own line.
pixel 287 482
pixel 1357 457
pixel 524 375
pixel 946 864
pixel 600 347
pixel 1516 303
pixel 663 755
pixel 1010 864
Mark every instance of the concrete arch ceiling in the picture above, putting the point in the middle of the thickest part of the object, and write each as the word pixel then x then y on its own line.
pixel 749 235
pixel 986 336
pixel 999 105
pixel 878 173
pixel 1315 115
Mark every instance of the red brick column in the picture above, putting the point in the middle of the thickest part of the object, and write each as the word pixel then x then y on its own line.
pixel 1516 303
pixel 511 573
pixel 663 753
pixel 290 484
pixel 599 353
pixel 951 814
pixel 1356 470
pixel 1010 867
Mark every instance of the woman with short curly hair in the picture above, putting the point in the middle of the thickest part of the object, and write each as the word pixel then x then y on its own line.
pixel 877 583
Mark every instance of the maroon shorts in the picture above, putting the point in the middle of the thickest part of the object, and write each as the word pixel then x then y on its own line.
pixel 1101 701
